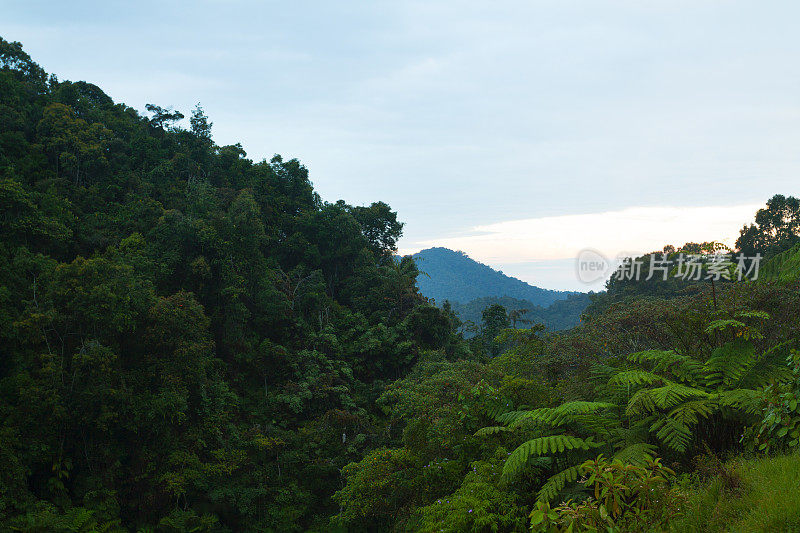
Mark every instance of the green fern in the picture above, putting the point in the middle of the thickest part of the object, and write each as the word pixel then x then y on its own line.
pixel 638 454
pixel 552 416
pixel 673 433
pixel 782 268
pixel 634 378
pixel 729 363
pixel 647 401
pixel 748 401
pixel 690 413
pixel 491 430
pixel 669 396
pixel 557 482
pixel 552 444
pixel 768 367
pixel 681 367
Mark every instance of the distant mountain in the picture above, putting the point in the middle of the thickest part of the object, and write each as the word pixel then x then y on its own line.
pixel 454 276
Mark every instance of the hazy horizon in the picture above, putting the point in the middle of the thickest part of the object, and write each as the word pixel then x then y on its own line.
pixel 480 124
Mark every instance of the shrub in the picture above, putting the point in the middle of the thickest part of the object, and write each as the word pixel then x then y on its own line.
pixel 625 497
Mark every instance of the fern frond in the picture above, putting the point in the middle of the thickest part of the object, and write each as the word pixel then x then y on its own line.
pixel 602 372
pixel 515 417
pixel 556 483
pixel 769 366
pixel 641 403
pixel 553 416
pixel 646 401
pixel 654 356
pixel 723 324
pixel 518 459
pixel 669 396
pixel 683 368
pixel 595 424
pixel 729 363
pixel 672 433
pixel 637 431
pixel 760 315
pixel 746 400
pixel 494 410
pixel 491 430
pixel 689 413
pixel 569 411
pixel 636 454
pixel 634 378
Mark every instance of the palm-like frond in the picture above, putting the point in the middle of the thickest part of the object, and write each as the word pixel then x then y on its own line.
pixel 634 378
pixel 552 444
pixel 637 454
pixel 673 433
pixel 647 401
pixel 556 483
pixel 729 363
pixel 769 366
pixel 746 400
pixel 491 430
pixel 689 413
pixel 681 367
pixel 552 416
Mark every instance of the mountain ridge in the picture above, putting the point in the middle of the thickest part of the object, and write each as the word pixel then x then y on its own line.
pixel 447 274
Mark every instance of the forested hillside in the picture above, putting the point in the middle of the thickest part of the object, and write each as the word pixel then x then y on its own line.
pixel 453 276
pixel 561 314
pixel 194 341
pixel 187 338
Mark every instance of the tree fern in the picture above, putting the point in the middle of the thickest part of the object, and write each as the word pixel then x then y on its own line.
pixel 729 363
pixel 491 430
pixel 670 395
pixel 557 482
pixel 748 401
pixel 769 366
pixel 646 401
pixel 680 367
pixel 689 413
pixel 552 416
pixel 552 444
pixel 634 378
pixel 637 454
pixel 673 433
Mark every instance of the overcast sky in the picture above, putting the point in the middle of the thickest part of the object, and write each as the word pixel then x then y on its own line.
pixel 512 130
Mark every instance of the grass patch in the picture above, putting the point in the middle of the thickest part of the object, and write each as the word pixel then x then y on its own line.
pixel 766 497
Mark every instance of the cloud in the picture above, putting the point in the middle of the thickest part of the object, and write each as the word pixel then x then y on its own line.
pixel 626 231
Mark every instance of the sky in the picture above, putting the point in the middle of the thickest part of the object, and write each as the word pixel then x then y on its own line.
pixel 517 131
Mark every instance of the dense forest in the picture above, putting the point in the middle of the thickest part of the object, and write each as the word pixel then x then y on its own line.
pixel 193 341
pixel 559 315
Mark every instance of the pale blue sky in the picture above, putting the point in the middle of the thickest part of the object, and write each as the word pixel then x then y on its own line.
pixel 465 114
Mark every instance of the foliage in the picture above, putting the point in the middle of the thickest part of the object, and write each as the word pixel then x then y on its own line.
pixel 655 397
pixel 479 504
pixel 189 339
pixel 776 228
pixel 559 315
pixel 780 425
pixel 624 497
pixel 766 501
pixel 194 341
pixel 783 267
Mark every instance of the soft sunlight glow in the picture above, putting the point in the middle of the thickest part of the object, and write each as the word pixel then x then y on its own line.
pixel 539 250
